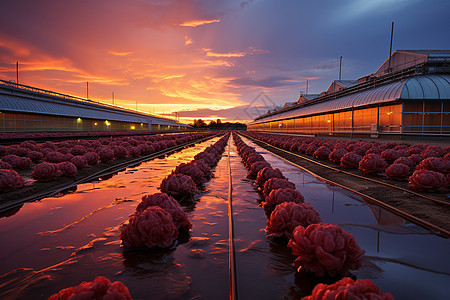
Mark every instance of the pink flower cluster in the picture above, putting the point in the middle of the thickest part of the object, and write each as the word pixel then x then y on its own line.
pixel 373 157
pixel 100 288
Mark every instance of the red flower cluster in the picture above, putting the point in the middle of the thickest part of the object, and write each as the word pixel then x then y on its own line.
pixel 351 160
pixel 276 183
pixel 79 161
pixel 347 288
pixel 266 173
pixel 167 203
pixel 9 180
pixel 427 180
pixel 100 288
pixel 46 171
pixel 336 155
pixel 397 171
pixel 372 163
pixel 281 195
pixel 325 249
pixel 256 167
pixel 323 152
pixel 288 215
pixel 192 170
pixel 68 169
pixel 178 185
pixel 17 162
pixel 152 227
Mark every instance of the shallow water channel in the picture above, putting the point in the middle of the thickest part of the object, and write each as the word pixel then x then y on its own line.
pixel 61 241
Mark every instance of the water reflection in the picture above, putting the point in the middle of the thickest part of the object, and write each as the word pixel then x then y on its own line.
pixel 159 273
pixel 10 212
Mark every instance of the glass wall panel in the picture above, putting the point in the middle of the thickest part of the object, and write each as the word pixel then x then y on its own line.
pixel 433 106
pixel 412 122
pixel 446 105
pixel 432 122
pixel 413 106
pixel 390 118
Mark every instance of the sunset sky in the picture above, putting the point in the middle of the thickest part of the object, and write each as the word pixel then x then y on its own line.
pixel 207 58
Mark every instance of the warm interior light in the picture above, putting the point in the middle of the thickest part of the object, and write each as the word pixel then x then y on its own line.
pixel 95 123
pixel 79 120
pixel 132 127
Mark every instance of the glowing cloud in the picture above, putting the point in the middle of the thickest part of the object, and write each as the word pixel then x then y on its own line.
pixel 250 51
pixel 118 53
pixel 229 54
pixel 195 23
pixel 187 40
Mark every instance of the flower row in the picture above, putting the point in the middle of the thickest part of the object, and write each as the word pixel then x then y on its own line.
pixel 35 135
pixel 155 222
pixel 159 217
pixel 427 167
pixel 49 160
pixel 321 249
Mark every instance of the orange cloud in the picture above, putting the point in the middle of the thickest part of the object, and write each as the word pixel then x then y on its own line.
pixel 187 40
pixel 195 23
pixel 46 64
pixel 16 49
pixel 119 53
pixel 250 51
pixel 229 54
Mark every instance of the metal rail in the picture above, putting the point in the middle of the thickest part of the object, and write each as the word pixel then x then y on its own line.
pixel 231 248
pixel 405 215
pixel 114 168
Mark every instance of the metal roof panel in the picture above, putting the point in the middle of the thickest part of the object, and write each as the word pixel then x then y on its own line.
pixel 420 87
